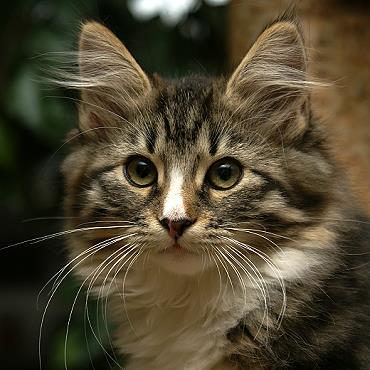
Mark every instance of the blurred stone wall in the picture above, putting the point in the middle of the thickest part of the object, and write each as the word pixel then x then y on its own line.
pixel 338 40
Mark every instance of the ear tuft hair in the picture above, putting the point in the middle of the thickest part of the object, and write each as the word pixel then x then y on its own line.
pixel 271 83
pixel 103 59
pixel 110 80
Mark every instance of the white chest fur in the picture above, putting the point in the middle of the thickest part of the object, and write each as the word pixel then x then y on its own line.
pixel 169 322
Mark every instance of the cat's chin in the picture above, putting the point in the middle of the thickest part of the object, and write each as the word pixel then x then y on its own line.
pixel 181 261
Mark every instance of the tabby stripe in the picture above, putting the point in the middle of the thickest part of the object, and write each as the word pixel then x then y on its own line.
pixel 197 126
pixel 273 184
pixel 203 115
pixel 275 221
pixel 167 126
pixel 95 174
pixel 301 198
pixel 214 141
pixel 98 213
pixel 151 139
pixel 308 199
pixel 161 109
pixel 107 190
pixel 235 334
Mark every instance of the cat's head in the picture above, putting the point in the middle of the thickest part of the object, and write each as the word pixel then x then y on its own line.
pixel 190 171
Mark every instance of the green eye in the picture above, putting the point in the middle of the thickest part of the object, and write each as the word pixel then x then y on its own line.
pixel 140 171
pixel 224 174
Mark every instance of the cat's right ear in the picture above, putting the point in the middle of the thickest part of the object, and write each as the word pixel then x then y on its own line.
pixel 270 87
pixel 111 81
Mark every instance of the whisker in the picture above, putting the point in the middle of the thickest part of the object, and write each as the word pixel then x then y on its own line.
pixel 57 286
pixel 94 273
pixel 113 280
pixel 217 255
pixel 61 233
pixel 51 218
pixel 119 254
pixel 58 273
pixel 123 288
pixel 100 246
pixel 271 265
pixel 262 288
pixel 219 276
pixel 237 273
pixel 256 231
pixel 109 222
pixel 341 219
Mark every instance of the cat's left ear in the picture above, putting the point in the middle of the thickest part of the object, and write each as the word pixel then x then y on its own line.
pixel 111 81
pixel 270 86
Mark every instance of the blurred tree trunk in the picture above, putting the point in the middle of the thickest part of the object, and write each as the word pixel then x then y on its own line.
pixel 338 39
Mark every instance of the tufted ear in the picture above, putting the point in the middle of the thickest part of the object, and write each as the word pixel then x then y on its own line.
pixel 110 79
pixel 270 85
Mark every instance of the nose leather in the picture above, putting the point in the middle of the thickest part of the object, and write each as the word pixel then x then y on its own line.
pixel 176 227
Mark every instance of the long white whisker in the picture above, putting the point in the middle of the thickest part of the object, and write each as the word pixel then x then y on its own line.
pixel 256 232
pixel 119 254
pixel 218 255
pixel 61 233
pixel 272 266
pixel 123 287
pixel 93 274
pixel 56 287
pixel 219 276
pixel 237 273
pixel 97 247
pixel 261 287
pixel 60 272
pixel 113 280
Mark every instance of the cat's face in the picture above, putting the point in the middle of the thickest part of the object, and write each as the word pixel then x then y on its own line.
pixel 184 173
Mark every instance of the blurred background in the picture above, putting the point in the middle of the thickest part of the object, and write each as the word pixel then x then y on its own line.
pixel 171 37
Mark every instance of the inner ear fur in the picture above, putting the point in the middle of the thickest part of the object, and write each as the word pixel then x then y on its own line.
pixel 270 85
pixel 111 81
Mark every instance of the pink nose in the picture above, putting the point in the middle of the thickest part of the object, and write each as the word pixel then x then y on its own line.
pixel 176 227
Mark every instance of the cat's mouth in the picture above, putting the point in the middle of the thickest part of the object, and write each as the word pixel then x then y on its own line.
pixel 177 249
pixel 181 258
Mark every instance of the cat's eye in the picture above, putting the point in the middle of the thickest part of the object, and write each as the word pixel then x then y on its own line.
pixel 140 171
pixel 224 174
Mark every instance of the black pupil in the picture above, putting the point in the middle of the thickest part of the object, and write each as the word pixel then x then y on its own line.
pixel 143 169
pixel 224 171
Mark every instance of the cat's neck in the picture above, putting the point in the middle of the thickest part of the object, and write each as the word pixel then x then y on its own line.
pixel 175 321
pixel 153 286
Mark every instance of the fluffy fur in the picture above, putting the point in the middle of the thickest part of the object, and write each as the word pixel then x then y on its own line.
pixel 273 272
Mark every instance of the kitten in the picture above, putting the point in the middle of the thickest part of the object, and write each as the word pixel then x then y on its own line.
pixel 213 218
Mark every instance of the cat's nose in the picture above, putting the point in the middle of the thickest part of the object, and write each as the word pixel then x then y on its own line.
pixel 176 227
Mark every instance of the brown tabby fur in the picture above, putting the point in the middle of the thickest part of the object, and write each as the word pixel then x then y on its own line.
pixel 291 198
